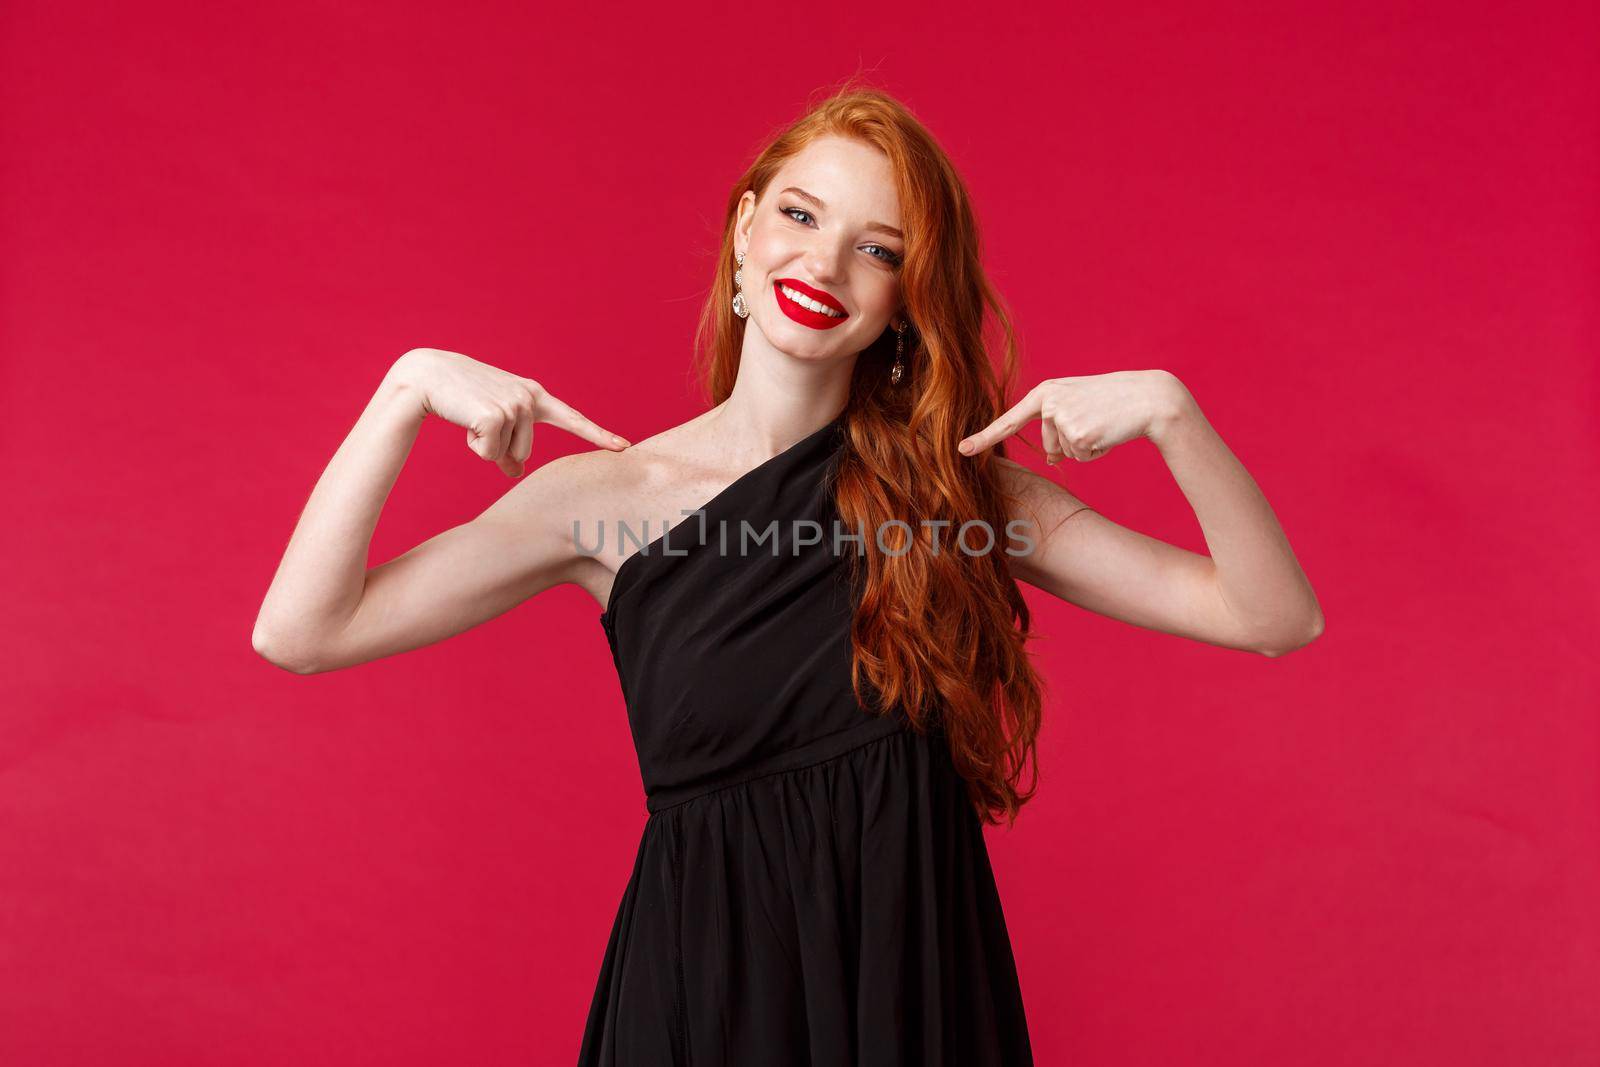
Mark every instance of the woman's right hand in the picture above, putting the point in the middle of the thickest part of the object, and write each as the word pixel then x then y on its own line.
pixel 498 409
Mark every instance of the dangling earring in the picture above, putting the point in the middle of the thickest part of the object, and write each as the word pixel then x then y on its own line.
pixel 899 369
pixel 739 307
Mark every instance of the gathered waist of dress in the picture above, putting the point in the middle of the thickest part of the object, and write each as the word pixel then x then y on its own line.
pixel 875 728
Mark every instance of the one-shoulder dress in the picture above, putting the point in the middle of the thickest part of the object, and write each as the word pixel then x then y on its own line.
pixel 812 886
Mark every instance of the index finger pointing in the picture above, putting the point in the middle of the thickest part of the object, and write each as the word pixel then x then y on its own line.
pixel 560 413
pixel 1023 411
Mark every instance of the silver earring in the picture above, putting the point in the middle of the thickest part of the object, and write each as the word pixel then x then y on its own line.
pixel 899 369
pixel 740 308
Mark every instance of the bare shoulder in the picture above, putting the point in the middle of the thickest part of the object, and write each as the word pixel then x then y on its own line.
pixel 1043 506
pixel 1032 489
pixel 576 501
pixel 619 486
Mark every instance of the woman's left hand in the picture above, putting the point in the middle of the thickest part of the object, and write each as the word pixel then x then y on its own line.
pixel 1085 417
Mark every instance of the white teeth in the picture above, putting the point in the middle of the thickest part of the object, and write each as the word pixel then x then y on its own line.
pixel 806 302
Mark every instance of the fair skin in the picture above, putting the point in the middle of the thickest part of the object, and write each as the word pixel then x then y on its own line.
pixel 818 223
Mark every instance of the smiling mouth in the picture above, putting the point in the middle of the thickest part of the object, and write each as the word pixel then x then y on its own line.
pixel 811 304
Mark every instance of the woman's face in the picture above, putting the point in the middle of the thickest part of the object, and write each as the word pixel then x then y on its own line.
pixel 827 231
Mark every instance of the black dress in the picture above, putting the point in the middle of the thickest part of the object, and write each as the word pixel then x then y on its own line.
pixel 812 885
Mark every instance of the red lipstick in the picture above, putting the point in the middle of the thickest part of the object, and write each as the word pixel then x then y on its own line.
pixel 804 315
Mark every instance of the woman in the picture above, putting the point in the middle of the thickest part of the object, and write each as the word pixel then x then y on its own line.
pixel 822 725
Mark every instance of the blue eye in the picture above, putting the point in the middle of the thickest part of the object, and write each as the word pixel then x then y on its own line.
pixel 888 257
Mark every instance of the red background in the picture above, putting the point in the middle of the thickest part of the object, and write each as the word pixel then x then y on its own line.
pixel 1366 240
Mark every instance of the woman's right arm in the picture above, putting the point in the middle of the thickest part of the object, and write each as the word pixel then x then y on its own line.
pixel 326 610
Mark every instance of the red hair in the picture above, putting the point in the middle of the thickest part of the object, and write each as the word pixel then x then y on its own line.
pixel 941 635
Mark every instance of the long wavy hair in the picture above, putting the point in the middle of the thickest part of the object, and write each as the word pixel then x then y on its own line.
pixel 940 635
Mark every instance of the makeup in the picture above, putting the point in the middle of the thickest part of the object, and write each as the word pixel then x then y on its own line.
pixel 788 289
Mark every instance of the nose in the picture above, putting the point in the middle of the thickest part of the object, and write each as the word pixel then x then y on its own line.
pixel 825 262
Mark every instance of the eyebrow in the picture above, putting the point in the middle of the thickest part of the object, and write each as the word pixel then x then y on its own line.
pixel 883 226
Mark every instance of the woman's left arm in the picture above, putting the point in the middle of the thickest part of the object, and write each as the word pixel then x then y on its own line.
pixel 1249 593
